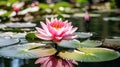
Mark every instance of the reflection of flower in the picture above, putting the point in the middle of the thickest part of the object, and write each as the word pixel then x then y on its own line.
pixel 56 30
pixel 54 61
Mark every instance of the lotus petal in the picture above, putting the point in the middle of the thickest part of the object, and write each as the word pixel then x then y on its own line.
pixel 27 51
pixel 7 41
pixel 90 54
pixel 77 44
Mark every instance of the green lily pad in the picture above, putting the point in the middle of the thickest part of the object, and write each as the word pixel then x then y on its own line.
pixel 43 6
pixel 83 14
pixel 62 4
pixel 21 25
pixel 27 51
pixel 8 41
pixel 31 37
pixel 114 43
pixel 83 34
pixel 77 44
pixel 91 43
pixel 90 54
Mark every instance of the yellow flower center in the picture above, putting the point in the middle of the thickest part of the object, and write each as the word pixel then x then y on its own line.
pixel 57 25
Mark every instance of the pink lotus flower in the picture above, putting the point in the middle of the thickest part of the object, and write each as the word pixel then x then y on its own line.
pixel 87 16
pixel 56 30
pixel 16 9
pixel 54 61
pixel 36 3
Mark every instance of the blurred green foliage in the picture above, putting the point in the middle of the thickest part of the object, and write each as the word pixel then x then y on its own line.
pixel 82 2
pixel 113 4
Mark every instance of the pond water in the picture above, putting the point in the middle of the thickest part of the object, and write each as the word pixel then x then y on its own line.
pixel 98 26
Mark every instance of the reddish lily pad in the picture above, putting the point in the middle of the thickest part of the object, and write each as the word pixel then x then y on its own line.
pixel 114 43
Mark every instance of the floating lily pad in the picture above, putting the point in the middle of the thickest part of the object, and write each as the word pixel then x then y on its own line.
pixel 2 26
pixel 90 54
pixel 83 34
pixel 7 41
pixel 31 37
pixel 83 14
pixel 30 9
pixel 27 51
pixel 91 43
pixel 111 18
pixel 2 12
pixel 77 44
pixel 116 37
pixel 64 15
pixel 13 35
pixel 20 25
pixel 114 43
pixel 106 10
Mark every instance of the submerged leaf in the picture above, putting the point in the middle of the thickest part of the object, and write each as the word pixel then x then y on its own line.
pixel 77 44
pixel 90 54
pixel 114 43
pixel 27 51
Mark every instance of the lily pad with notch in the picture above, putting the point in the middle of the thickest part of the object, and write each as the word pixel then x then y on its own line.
pixel 27 51
pixel 90 54
pixel 77 44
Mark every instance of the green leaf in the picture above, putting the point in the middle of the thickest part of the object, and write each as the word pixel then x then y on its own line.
pixel 90 54
pixel 7 14
pixel 60 16
pixel 62 4
pixel 12 1
pixel 31 37
pixel 82 1
pixel 91 43
pixel 77 44
pixel 27 51
pixel 43 6
pixel 69 43
pixel 83 34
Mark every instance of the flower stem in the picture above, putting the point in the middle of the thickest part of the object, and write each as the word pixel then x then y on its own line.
pixel 56 47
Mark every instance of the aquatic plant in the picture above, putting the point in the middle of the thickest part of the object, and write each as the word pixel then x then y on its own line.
pixel 68 48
